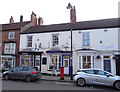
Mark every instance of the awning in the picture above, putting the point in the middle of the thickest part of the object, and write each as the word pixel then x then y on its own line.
pixel 5 56
pixel 30 52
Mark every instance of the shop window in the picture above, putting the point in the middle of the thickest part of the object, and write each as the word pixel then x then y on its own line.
pixel 44 61
pixel 7 63
pixel 27 60
pixel 86 61
pixel 55 60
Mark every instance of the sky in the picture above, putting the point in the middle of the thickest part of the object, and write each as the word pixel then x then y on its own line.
pixel 55 12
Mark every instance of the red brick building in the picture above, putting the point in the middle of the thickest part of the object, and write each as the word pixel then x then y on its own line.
pixel 10 43
pixel 10 40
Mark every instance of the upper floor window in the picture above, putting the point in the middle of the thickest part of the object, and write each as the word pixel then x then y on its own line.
pixel 29 41
pixel 11 35
pixel 9 48
pixel 55 39
pixel 86 39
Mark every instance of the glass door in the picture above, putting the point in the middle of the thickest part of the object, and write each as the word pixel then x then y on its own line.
pixel 66 64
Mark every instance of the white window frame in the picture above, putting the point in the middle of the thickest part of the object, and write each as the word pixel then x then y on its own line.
pixel 9 48
pixel 55 39
pixel 80 63
pixel 29 41
pixel 57 63
pixel 11 35
pixel 86 39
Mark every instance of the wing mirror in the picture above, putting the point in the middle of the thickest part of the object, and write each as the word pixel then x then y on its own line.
pixel 108 75
pixel 11 70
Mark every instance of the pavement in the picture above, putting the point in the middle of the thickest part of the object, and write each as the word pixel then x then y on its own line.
pixel 57 78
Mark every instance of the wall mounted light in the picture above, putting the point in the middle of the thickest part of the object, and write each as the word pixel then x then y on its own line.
pixel 98 57
pixel 105 30
pixel 114 57
pixel 79 32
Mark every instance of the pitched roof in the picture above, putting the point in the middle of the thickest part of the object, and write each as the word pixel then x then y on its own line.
pixel 96 24
pixel 13 26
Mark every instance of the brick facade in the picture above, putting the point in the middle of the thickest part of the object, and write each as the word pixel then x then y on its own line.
pixel 16 40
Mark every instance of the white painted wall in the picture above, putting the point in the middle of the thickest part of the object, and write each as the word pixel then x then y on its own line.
pixel 109 42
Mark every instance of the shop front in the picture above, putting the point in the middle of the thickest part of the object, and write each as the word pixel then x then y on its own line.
pixel 59 58
pixel 8 62
pixel 86 58
pixel 30 58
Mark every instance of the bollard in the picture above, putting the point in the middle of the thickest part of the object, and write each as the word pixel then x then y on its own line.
pixel 62 73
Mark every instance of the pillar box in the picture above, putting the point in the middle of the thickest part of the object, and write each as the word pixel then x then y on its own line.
pixel 61 73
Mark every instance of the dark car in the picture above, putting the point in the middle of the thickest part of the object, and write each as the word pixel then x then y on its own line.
pixel 25 72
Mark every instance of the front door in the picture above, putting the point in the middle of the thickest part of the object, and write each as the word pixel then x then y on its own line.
pixel 118 65
pixel 107 65
pixel 37 61
pixel 66 64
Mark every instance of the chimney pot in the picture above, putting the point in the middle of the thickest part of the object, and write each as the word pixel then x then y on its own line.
pixel 21 18
pixel 33 19
pixel 40 21
pixel 11 20
pixel 73 15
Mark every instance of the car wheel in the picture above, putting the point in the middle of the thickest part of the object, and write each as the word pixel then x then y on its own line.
pixel 28 78
pixel 6 77
pixel 117 85
pixel 81 82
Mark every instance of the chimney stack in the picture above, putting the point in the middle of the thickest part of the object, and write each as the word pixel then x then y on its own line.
pixel 21 18
pixel 33 19
pixel 11 20
pixel 73 15
pixel 40 21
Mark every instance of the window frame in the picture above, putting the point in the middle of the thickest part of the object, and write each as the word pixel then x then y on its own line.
pixel 58 63
pixel 55 39
pixel 9 48
pixel 11 35
pixel 86 39
pixel 29 41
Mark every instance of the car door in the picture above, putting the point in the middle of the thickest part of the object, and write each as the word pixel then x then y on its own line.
pixel 25 72
pixel 89 76
pixel 103 79
pixel 15 73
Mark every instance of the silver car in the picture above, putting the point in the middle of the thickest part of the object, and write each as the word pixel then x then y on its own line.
pixel 25 72
pixel 96 76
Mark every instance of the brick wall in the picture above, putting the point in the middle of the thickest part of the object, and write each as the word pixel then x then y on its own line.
pixel 16 39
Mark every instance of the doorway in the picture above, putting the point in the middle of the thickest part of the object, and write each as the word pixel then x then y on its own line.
pixel 107 63
pixel 118 65
pixel 66 64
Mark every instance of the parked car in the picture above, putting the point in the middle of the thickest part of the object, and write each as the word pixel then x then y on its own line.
pixel 25 72
pixel 5 69
pixel 97 77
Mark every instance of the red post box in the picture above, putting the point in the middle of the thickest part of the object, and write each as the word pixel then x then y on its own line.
pixel 62 73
